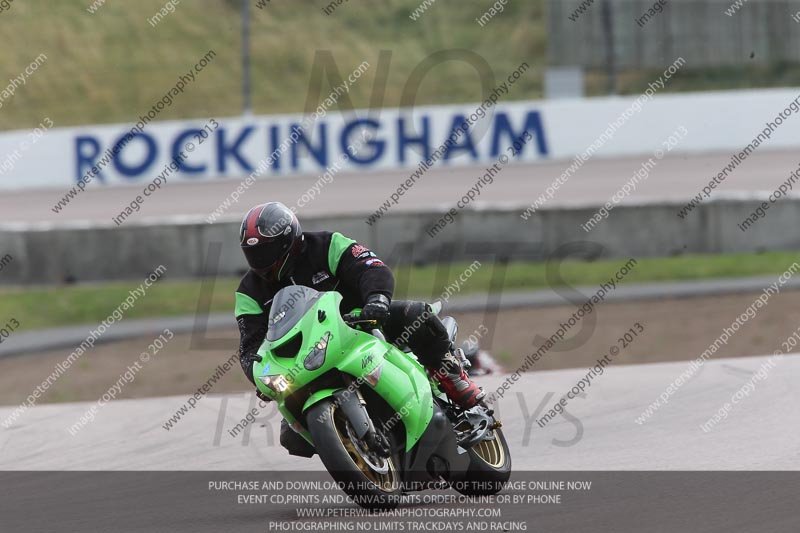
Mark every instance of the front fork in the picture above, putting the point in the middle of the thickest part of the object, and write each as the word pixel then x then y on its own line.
pixel 354 408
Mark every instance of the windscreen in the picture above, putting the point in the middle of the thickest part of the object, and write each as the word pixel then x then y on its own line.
pixel 288 307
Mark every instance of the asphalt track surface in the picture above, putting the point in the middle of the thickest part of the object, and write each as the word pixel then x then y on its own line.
pixel 761 433
pixel 674 178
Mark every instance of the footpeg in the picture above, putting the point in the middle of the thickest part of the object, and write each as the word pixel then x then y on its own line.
pixel 472 426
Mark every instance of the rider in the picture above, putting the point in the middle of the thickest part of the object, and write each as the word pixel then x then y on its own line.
pixel 279 254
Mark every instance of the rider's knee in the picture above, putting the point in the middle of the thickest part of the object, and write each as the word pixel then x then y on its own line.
pixel 418 327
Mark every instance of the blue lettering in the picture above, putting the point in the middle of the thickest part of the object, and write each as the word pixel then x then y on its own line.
pixel 86 159
pixel 464 141
pixel 320 153
pixel 276 159
pixel 378 146
pixel 177 150
pixel 533 125
pixel 133 170
pixel 403 140
pixel 233 150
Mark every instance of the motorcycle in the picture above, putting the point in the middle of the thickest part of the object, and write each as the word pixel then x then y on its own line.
pixel 376 418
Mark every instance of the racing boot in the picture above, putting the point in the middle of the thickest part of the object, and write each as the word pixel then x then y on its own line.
pixel 457 385
pixel 294 443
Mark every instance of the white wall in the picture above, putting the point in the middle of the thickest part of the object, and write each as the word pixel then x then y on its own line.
pixel 716 121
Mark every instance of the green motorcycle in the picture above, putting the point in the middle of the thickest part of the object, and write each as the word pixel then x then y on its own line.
pixel 378 421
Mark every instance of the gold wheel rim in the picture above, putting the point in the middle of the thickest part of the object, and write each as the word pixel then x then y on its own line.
pixel 387 482
pixel 491 451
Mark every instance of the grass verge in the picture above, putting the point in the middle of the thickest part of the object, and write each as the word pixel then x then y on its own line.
pixel 37 308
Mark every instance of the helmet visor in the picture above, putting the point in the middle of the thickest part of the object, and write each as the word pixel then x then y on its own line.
pixel 263 257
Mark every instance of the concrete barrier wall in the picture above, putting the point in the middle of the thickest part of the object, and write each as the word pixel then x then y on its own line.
pixel 193 248
pixel 647 35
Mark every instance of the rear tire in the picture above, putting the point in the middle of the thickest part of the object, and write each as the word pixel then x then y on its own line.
pixel 345 460
pixel 489 467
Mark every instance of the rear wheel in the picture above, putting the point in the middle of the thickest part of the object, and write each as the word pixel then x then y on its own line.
pixel 371 480
pixel 489 467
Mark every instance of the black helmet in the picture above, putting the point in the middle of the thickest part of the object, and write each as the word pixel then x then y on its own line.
pixel 271 239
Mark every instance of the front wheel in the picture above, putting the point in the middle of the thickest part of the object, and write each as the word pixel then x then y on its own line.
pixel 370 480
pixel 489 467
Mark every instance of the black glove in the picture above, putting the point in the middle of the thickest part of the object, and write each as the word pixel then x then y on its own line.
pixel 376 308
pixel 248 360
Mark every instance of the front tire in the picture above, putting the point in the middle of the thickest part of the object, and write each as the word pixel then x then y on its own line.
pixel 371 481
pixel 489 467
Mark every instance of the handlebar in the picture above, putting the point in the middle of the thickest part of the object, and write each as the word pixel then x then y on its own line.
pixel 352 319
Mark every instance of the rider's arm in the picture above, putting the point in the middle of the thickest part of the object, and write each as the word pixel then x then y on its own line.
pixel 252 321
pixel 358 267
